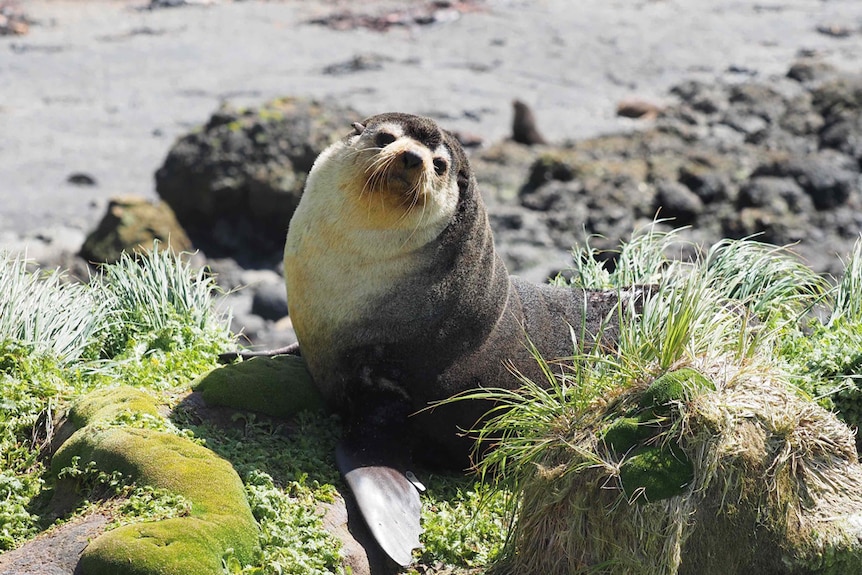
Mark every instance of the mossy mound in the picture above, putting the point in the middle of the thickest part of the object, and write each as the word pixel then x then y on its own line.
pixel 220 519
pixel 278 386
pixel 651 469
pixel 678 385
pixel 656 472
pixel 747 460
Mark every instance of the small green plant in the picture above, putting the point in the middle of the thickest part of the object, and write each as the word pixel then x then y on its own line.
pixel 465 521
pixel 134 503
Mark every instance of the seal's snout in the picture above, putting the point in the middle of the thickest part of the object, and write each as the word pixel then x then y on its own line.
pixel 411 159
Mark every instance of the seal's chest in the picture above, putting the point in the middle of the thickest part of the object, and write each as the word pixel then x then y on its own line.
pixel 333 281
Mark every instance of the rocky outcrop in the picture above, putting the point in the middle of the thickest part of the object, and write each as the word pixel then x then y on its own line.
pixel 780 161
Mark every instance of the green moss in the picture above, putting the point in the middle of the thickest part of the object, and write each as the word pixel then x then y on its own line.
pixel 660 472
pixel 106 404
pixel 678 385
pixel 219 521
pixel 278 386
pixel 626 432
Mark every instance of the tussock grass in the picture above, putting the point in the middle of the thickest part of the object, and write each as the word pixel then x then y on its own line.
pixel 43 312
pixel 159 302
pixel 609 479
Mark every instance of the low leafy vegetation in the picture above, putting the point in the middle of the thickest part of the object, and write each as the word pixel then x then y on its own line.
pixel 149 324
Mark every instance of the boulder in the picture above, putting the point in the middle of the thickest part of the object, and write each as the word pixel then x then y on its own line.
pixel 132 224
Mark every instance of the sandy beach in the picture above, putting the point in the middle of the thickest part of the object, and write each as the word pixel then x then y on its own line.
pixel 104 87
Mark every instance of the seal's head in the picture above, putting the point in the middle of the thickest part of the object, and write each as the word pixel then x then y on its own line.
pixel 386 209
pixel 393 172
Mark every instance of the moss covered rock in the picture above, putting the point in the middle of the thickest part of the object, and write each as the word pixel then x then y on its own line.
pixel 235 181
pixel 132 224
pixel 278 386
pixel 220 518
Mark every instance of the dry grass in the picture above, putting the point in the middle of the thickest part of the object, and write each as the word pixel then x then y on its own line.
pixel 773 483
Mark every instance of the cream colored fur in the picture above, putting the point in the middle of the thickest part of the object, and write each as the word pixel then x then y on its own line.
pixel 345 246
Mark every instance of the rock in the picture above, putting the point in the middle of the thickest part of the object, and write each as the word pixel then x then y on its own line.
pixel 780 159
pixel 779 195
pixel 828 176
pixel 219 520
pixel 359 63
pixel 701 97
pixel 55 552
pixel 258 384
pixel 13 22
pixel 810 70
pixel 81 179
pixel 674 200
pixel 637 108
pixel 227 273
pixel 132 224
pixel 235 181
pixel 270 300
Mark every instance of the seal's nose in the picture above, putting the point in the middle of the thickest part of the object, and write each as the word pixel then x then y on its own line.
pixel 411 159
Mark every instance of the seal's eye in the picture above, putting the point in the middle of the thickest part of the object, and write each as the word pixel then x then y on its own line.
pixel 440 166
pixel 383 139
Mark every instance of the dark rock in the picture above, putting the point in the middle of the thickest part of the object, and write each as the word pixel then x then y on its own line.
pixel 828 176
pixel 251 328
pixel 235 182
pixel 674 200
pixel 753 127
pixel 709 184
pixel 779 195
pixel 701 97
pixel 810 70
pixel 359 63
pixel 269 301
pixel 81 179
pixel 839 98
pixel 227 273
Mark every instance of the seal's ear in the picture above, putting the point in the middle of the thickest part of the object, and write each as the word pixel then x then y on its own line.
pixel 459 158
pixel 357 129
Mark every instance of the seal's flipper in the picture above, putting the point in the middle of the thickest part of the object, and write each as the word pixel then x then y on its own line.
pixel 232 356
pixel 388 501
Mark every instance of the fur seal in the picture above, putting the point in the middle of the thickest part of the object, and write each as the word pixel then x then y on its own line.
pixel 399 301
pixel 524 129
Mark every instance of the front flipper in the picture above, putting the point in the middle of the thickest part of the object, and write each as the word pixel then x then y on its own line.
pixel 388 501
pixel 232 356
